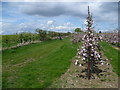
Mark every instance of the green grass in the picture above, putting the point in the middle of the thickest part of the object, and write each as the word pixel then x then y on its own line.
pixel 111 52
pixel 50 60
pixel 4 45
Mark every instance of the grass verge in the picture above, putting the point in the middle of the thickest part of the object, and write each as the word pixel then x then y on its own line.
pixel 112 53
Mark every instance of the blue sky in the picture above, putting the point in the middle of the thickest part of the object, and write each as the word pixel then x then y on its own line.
pixel 56 16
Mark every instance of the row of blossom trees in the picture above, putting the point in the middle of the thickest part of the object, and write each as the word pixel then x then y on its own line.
pixel 111 37
pixel 27 37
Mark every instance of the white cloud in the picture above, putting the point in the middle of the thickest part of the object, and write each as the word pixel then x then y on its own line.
pixel 65 27
pixel 1 32
pixel 50 22
pixel 50 25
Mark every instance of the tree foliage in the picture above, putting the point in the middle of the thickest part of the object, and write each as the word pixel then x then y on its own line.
pixel 78 30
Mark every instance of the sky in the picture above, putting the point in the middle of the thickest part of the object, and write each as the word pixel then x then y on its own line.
pixel 56 16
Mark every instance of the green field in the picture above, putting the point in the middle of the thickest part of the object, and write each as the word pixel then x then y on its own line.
pixel 113 54
pixel 37 65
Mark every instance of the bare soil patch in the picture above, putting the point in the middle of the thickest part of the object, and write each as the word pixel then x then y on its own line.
pixel 75 78
pixel 116 47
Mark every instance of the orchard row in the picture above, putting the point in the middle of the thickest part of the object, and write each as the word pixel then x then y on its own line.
pixel 40 35
pixel 112 38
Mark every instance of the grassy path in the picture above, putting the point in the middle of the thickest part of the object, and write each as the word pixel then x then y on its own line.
pixel 36 65
pixel 112 53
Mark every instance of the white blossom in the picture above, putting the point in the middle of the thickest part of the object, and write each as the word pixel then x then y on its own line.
pixel 80 65
pixel 76 62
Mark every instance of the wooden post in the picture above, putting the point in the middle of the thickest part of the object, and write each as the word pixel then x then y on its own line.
pixel 89 63
pixel 89 70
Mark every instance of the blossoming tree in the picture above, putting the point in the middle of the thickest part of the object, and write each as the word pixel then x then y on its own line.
pixel 90 50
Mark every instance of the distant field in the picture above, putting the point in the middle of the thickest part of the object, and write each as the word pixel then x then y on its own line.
pixel 37 65
pixel 111 52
